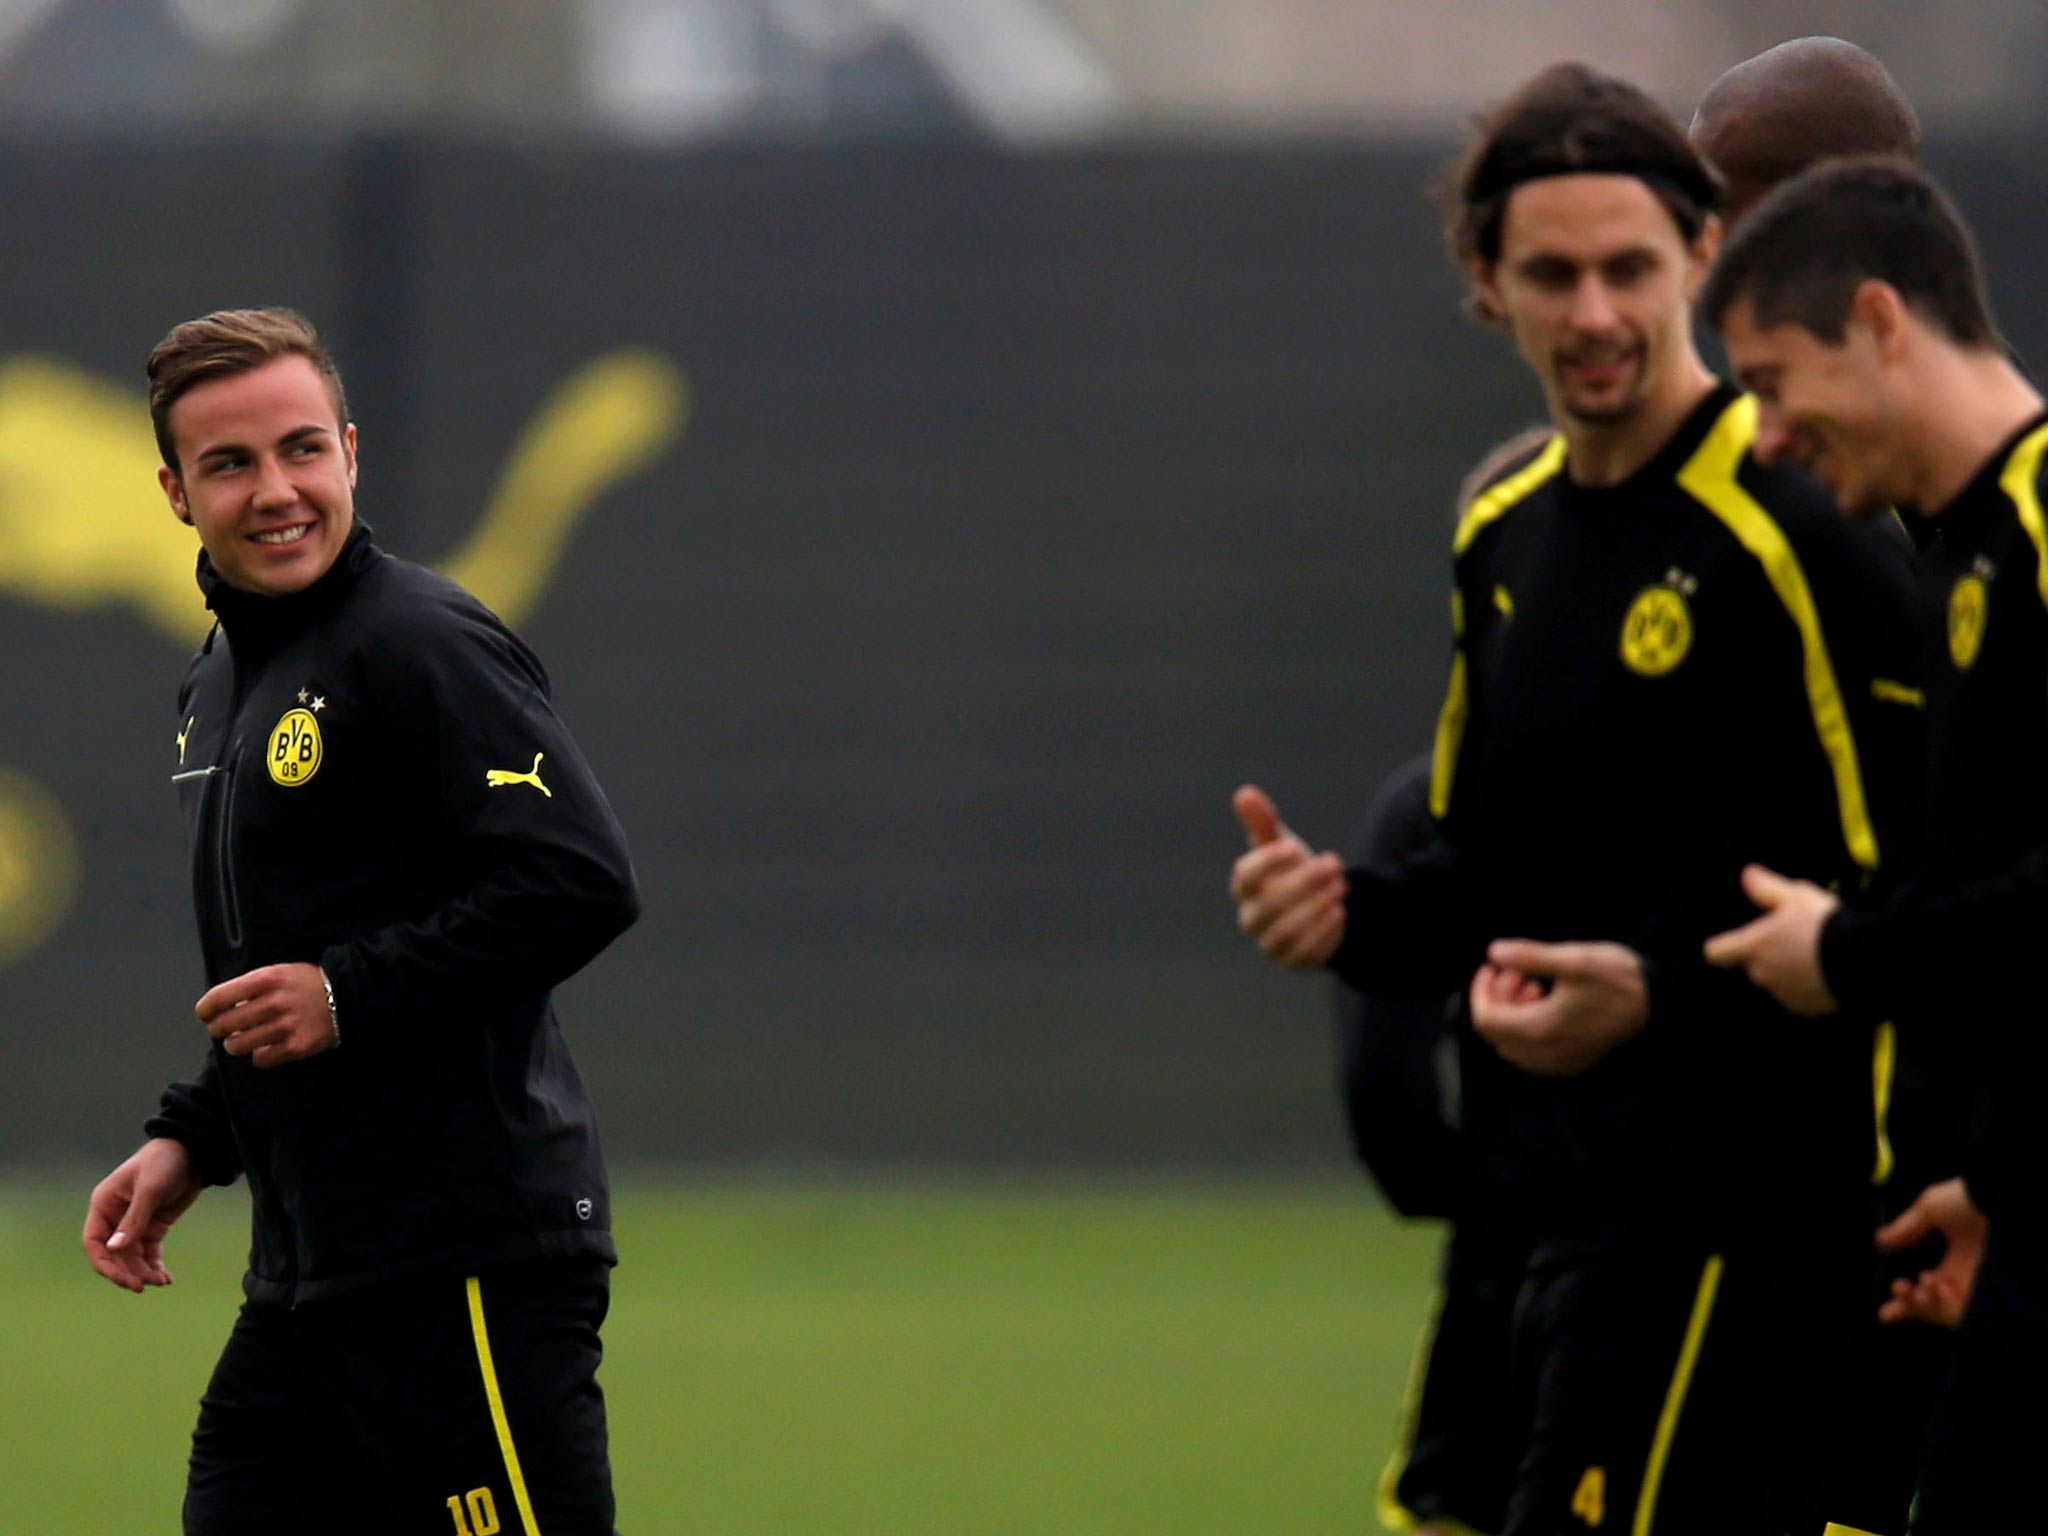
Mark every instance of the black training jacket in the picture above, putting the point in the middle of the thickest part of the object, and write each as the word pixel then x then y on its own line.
pixel 1397 1068
pixel 373 781
pixel 1958 949
pixel 1655 683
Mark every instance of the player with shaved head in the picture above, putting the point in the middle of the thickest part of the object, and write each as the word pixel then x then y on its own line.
pixel 1804 101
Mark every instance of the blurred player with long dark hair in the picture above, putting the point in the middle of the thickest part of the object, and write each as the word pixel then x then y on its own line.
pixel 1644 614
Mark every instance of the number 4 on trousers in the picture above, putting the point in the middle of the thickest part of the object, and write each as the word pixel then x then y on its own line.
pixel 1589 1503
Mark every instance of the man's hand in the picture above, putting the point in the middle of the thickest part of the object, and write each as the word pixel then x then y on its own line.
pixel 1941 1294
pixel 132 1209
pixel 1556 1009
pixel 272 1015
pixel 1289 900
pixel 1780 951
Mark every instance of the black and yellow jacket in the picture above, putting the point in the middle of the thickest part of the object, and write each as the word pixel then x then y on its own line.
pixel 1654 684
pixel 373 781
pixel 1955 951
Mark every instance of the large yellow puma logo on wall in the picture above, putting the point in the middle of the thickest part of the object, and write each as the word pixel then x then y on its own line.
pixel 83 524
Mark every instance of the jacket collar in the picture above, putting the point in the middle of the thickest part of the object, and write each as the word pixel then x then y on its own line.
pixel 254 621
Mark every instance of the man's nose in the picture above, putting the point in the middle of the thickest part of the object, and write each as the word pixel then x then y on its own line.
pixel 274 487
pixel 1592 305
pixel 1773 436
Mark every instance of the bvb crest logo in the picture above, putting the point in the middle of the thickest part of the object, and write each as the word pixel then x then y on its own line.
pixel 295 751
pixel 1969 605
pixel 1657 633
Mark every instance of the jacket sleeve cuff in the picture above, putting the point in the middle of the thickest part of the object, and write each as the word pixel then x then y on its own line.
pixel 1406 933
pixel 1859 960
pixel 1668 984
pixel 1351 962
pixel 214 1158
pixel 1685 991
pixel 344 987
pixel 1980 1178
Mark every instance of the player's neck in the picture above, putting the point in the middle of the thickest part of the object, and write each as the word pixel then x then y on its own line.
pixel 1603 453
pixel 1968 404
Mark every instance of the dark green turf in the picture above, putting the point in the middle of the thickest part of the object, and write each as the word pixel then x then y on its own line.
pixel 964 1357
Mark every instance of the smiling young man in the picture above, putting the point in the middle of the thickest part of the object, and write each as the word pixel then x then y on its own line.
pixel 397 853
pixel 1854 306
pixel 1665 656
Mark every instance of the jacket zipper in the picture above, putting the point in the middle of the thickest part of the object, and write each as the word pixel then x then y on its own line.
pixel 279 1217
pixel 223 855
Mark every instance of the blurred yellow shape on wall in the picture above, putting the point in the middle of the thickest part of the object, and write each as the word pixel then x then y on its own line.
pixel 82 522
pixel 38 865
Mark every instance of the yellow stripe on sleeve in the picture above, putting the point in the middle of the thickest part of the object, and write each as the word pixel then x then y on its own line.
pixel 1674 1397
pixel 1450 723
pixel 498 1420
pixel 1487 508
pixel 1709 477
pixel 1884 1057
pixel 1450 736
pixel 1885 691
pixel 2020 484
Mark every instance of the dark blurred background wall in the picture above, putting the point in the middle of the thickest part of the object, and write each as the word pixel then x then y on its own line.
pixel 940 447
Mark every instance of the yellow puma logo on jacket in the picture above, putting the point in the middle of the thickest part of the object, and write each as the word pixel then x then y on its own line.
pixel 498 778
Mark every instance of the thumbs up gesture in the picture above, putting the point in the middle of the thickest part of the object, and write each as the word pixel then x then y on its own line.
pixel 1289 900
pixel 1780 951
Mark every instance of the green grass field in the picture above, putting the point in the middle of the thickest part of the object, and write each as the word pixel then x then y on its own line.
pixel 974 1358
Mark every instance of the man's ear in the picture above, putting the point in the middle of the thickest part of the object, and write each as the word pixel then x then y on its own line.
pixel 1484 301
pixel 174 493
pixel 1878 307
pixel 1701 256
pixel 348 447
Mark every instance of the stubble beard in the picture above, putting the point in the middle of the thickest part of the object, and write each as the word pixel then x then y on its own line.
pixel 1610 413
pixel 1615 411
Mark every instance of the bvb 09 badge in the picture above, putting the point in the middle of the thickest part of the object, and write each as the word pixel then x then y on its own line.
pixel 1969 603
pixel 1657 633
pixel 294 755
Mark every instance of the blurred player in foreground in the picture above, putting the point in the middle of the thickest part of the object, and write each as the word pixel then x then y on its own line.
pixel 397 852
pixel 1854 307
pixel 1646 617
pixel 1408 1064
pixel 1762 122
pixel 1408 1068
pixel 1410 1079
pixel 1405 1065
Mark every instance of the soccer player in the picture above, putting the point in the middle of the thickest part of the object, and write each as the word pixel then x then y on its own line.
pixel 1792 106
pixel 1854 307
pixel 1404 1065
pixel 397 851
pixel 1759 124
pixel 1406 1072
pixel 1666 654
